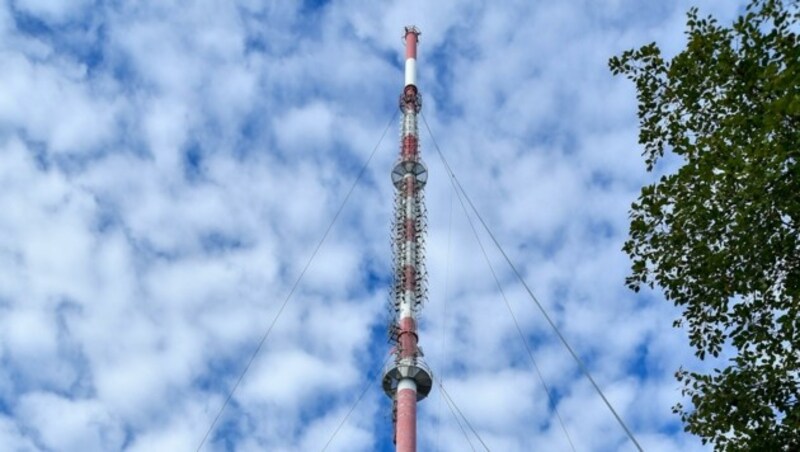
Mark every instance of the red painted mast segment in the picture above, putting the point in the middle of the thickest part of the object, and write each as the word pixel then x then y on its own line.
pixel 407 379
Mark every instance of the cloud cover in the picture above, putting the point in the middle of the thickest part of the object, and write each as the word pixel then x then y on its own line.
pixel 166 169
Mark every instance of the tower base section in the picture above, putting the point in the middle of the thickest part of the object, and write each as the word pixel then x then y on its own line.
pixel 406 424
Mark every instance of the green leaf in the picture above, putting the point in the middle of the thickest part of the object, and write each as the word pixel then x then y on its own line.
pixel 719 235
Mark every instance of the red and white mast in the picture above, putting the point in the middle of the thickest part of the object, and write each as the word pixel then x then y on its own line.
pixel 407 379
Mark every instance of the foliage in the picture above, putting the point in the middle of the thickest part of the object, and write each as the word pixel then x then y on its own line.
pixel 720 235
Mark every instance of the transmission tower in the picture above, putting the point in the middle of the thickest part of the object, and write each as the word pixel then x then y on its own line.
pixel 407 379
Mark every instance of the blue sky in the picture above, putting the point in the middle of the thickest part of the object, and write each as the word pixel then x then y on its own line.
pixel 166 169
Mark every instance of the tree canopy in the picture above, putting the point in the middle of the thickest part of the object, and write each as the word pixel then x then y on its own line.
pixel 719 234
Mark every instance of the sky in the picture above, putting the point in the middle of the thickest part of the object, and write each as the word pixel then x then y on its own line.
pixel 167 168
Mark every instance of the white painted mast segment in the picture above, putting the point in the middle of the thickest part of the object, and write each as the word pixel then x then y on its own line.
pixel 411 71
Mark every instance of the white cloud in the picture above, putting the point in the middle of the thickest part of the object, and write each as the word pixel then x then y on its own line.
pixel 306 129
pixel 53 11
pixel 69 425
pixel 51 103
pixel 159 202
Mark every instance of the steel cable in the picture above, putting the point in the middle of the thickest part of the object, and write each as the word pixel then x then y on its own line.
pixel 516 324
pixel 296 282
pixel 457 185
pixel 466 421
pixel 444 308
pixel 458 421
pixel 370 380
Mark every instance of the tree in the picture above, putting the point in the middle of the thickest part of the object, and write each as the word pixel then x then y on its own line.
pixel 719 235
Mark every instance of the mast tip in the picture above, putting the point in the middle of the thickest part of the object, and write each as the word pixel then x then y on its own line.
pixel 412 29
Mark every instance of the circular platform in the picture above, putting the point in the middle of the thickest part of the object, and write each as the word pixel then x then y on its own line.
pixel 412 368
pixel 415 169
